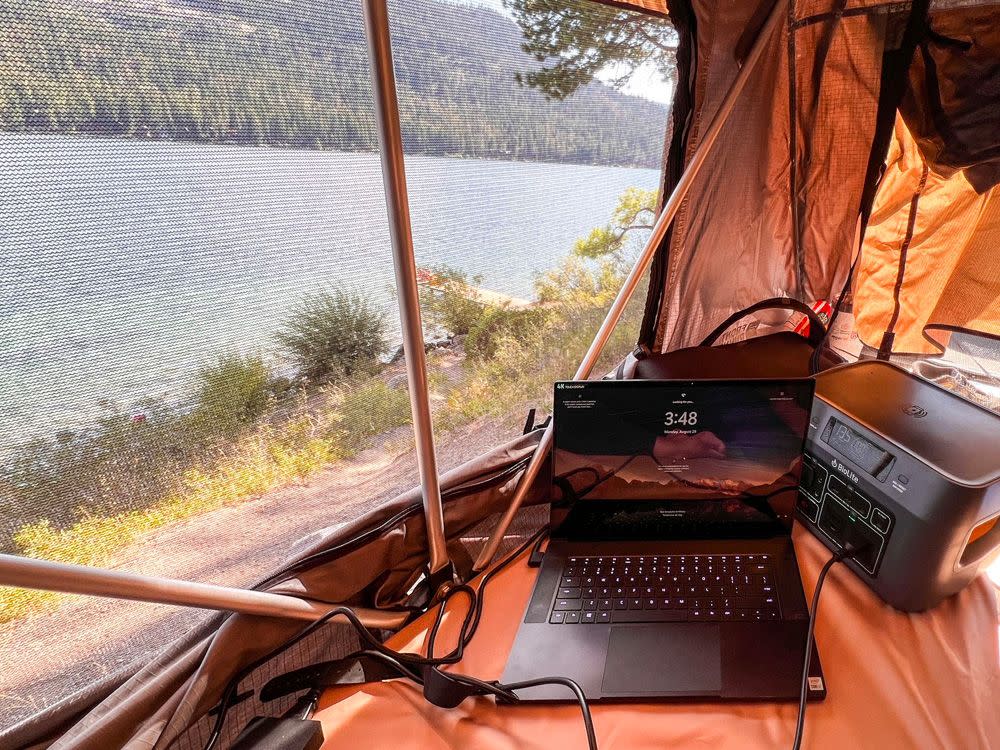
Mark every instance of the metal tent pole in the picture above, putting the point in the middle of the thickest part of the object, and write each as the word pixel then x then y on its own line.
pixel 394 177
pixel 26 572
pixel 774 19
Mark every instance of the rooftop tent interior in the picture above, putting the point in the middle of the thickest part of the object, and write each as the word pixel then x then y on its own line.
pixel 845 148
pixel 841 151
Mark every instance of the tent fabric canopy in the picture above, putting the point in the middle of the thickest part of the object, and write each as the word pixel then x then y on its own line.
pixel 928 264
pixel 777 213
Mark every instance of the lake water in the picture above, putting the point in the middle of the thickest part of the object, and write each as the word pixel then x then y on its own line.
pixel 125 265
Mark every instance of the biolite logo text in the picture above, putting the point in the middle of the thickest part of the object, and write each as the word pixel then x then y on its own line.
pixel 844 470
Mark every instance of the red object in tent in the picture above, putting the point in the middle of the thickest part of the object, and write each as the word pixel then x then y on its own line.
pixel 821 308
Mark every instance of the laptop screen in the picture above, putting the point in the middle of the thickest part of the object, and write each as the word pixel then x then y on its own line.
pixel 678 459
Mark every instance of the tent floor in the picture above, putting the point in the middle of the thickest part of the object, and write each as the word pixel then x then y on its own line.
pixel 929 680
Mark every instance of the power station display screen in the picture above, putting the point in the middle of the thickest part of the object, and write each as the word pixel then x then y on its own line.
pixel 857 447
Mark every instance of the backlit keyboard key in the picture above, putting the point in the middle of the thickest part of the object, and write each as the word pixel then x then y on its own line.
pixel 663 588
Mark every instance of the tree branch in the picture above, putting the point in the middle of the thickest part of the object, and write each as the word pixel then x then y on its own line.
pixel 655 42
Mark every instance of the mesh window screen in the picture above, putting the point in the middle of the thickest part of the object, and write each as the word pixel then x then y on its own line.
pixel 198 335
pixel 521 250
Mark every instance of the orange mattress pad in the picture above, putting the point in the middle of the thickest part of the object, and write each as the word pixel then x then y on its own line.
pixel 895 680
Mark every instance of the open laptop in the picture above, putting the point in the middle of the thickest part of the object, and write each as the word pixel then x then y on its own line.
pixel 670 571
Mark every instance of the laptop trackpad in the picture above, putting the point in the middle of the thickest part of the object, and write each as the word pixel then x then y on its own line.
pixel 670 659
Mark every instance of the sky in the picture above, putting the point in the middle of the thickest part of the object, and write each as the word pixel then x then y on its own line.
pixel 645 82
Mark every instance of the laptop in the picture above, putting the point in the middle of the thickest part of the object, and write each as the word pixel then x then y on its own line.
pixel 670 571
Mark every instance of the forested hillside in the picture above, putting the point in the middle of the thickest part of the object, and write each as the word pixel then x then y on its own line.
pixel 294 73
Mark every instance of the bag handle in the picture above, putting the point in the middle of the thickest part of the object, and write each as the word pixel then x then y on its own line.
pixel 817 328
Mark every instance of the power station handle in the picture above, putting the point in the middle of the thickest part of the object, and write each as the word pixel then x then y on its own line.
pixel 983 543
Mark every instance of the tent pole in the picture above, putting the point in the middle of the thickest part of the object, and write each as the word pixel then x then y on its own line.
pixel 659 231
pixel 29 573
pixel 390 139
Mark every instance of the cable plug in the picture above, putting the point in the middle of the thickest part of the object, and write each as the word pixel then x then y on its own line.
pixel 850 550
pixel 444 690
pixel 535 558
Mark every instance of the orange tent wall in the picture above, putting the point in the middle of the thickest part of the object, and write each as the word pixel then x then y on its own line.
pixel 929 264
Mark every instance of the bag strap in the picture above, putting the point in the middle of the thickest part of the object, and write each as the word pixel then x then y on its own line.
pixel 817 328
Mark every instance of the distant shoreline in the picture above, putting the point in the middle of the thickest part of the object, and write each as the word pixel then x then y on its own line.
pixel 111 137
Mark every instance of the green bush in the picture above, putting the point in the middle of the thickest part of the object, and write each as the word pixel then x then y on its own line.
pixel 80 495
pixel 231 394
pixel 126 460
pixel 370 409
pixel 452 302
pixel 335 334
pixel 256 461
pixel 498 323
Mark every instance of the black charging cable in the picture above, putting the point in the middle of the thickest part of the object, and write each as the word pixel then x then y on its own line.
pixel 447 690
pixel 469 623
pixel 440 687
pixel 844 553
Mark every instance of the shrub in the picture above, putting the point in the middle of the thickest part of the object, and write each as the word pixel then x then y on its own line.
pixel 498 323
pixel 451 302
pixel 260 460
pixel 581 283
pixel 231 394
pixel 333 334
pixel 371 409
pixel 127 458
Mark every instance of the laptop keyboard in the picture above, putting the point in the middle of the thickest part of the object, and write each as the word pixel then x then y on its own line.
pixel 665 588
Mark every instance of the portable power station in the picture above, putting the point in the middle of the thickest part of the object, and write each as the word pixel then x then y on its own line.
pixel 906 472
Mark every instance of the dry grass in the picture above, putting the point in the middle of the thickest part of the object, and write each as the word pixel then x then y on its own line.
pixel 263 459
pixel 259 462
